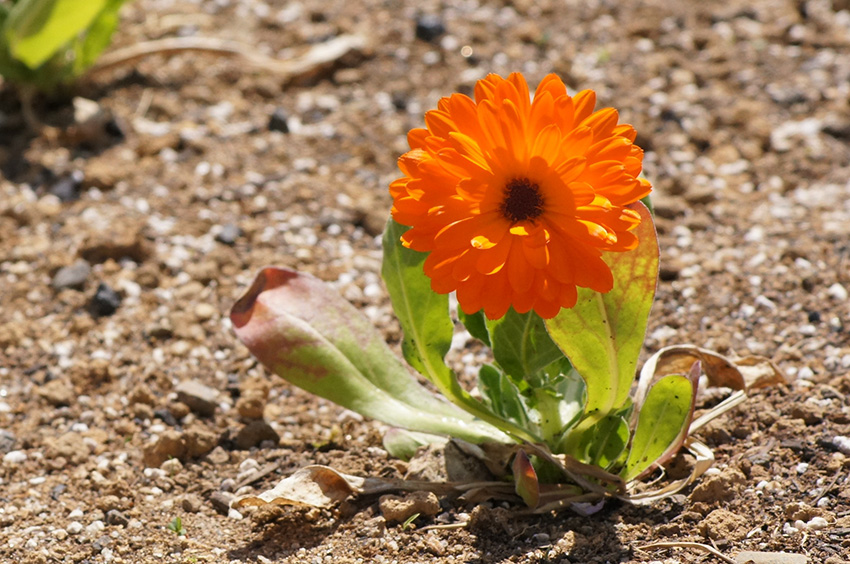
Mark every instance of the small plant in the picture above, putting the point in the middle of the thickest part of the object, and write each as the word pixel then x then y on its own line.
pixel 529 210
pixel 45 43
pixel 176 526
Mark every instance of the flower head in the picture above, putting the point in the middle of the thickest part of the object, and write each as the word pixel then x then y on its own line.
pixel 516 199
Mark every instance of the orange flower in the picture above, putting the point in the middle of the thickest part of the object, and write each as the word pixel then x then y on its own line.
pixel 515 199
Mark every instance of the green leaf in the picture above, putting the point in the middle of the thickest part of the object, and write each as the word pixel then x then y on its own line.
pixel 521 345
pixel 606 442
pixel 603 334
pixel 663 421
pixel 302 330
pixel 525 479
pixel 403 444
pixel 98 36
pixel 502 395
pixel 476 324
pixel 37 29
pixel 428 329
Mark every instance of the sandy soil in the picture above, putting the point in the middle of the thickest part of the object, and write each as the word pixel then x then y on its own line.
pixel 126 401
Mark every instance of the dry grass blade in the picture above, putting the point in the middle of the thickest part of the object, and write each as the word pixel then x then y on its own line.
pixel 316 57
pixel 699 546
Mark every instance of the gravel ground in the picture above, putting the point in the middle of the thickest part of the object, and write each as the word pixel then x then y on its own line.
pixel 127 402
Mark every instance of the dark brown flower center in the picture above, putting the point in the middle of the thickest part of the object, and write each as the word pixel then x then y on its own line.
pixel 523 201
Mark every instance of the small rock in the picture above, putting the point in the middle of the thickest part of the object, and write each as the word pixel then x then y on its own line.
pixel 837 292
pixel 141 393
pixel 57 393
pixel 396 509
pixel 218 456
pixel 14 457
pixel 429 27
pixel 191 503
pixel 60 534
pixel 165 416
pixel 749 557
pixel 200 398
pixel 172 466
pixel 74 527
pixel 178 410
pixel 7 441
pixel 722 524
pixel 125 239
pixel 277 121
pixel 220 501
pixel 251 404
pixel 67 188
pixel 115 517
pixel 199 441
pixel 101 174
pixel 105 301
pixel 205 312
pixel 169 445
pixel 254 433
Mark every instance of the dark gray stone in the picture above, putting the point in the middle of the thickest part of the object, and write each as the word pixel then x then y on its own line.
pixel 105 301
pixel 277 121
pixel 7 441
pixel 429 27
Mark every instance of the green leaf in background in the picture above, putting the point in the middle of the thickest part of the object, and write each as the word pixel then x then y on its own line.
pixel 476 324
pixel 502 395
pixel 305 332
pixel 97 38
pixel 606 442
pixel 521 345
pixel 603 334
pixel 663 421
pixel 525 479
pixel 428 329
pixel 36 29
pixel 403 444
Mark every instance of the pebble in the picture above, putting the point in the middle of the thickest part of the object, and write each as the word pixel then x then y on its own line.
pixel 837 292
pixel 105 301
pixel 840 442
pixel 73 276
pixel 200 398
pixel 277 121
pixel 220 501
pixel 191 503
pixel 429 27
pixel 228 235
pixel 7 441
pixel 115 517
pixel 67 188
pixel 14 457
pixel 58 393
pixel 397 509
pixel 60 534
pixel 74 527
pixel 254 433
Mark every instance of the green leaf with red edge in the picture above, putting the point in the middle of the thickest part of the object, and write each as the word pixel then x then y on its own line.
pixel 525 479
pixel 662 423
pixel 603 334
pixel 304 331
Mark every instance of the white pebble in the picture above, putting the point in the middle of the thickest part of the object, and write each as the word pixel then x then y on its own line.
pixel 14 457
pixel 800 525
pixel 805 373
pixel 802 467
pixel 788 529
pixel 837 292
pixel 842 444
pixel 60 534
pixel 817 523
pixel 74 527
pixel 75 514
pixel 95 527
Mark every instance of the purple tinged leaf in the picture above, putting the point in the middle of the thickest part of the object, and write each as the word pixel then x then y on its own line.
pixel 302 330
pixel 525 479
